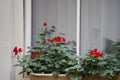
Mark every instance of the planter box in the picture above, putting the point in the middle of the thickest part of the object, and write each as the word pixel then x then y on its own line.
pixel 118 77
pixel 34 76
pixel 100 78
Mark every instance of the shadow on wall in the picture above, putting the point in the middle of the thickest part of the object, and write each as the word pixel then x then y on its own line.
pixel 109 46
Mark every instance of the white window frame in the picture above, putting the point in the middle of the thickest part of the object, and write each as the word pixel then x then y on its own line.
pixel 28 25
pixel 19 33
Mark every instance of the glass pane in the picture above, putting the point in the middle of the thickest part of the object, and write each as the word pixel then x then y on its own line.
pixel 60 13
pixel 100 24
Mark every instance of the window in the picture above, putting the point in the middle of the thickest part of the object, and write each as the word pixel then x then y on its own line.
pixel 64 14
pixel 99 20
pixel 100 24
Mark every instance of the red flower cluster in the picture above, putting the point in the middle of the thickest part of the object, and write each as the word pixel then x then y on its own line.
pixel 59 39
pixel 37 54
pixel 44 24
pixel 95 52
pixel 56 39
pixel 17 50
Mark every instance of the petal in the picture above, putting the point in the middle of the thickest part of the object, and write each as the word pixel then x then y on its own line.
pixel 63 39
pixel 20 50
pixel 15 49
pixel 44 41
pixel 95 50
pixel 92 53
pixel 38 54
pixel 44 24
pixel 33 55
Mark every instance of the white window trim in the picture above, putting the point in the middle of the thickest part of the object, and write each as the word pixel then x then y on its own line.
pixel 78 27
pixel 19 32
pixel 28 19
pixel 28 25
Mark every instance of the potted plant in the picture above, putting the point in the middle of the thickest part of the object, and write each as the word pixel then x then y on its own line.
pixel 51 55
pixel 94 66
pixel 117 56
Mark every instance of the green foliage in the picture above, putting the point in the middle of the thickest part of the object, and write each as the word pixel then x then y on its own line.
pixel 94 66
pixel 51 54
pixel 117 44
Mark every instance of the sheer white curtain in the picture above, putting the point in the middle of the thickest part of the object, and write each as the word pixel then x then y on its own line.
pixel 60 13
pixel 100 24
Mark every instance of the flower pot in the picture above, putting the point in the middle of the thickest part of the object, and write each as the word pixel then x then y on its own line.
pixel 99 78
pixel 117 77
pixel 35 76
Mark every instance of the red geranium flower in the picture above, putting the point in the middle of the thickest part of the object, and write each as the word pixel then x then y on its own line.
pixel 99 54
pixel 17 50
pixel 20 50
pixel 92 53
pixel 44 24
pixel 95 52
pixel 57 39
pixel 50 40
pixel 44 41
pixel 38 54
pixel 33 55
pixel 63 39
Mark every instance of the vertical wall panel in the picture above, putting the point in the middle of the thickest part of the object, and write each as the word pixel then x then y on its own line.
pixel 7 37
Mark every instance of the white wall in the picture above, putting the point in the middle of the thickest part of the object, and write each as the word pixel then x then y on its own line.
pixel 11 32
pixel 7 37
